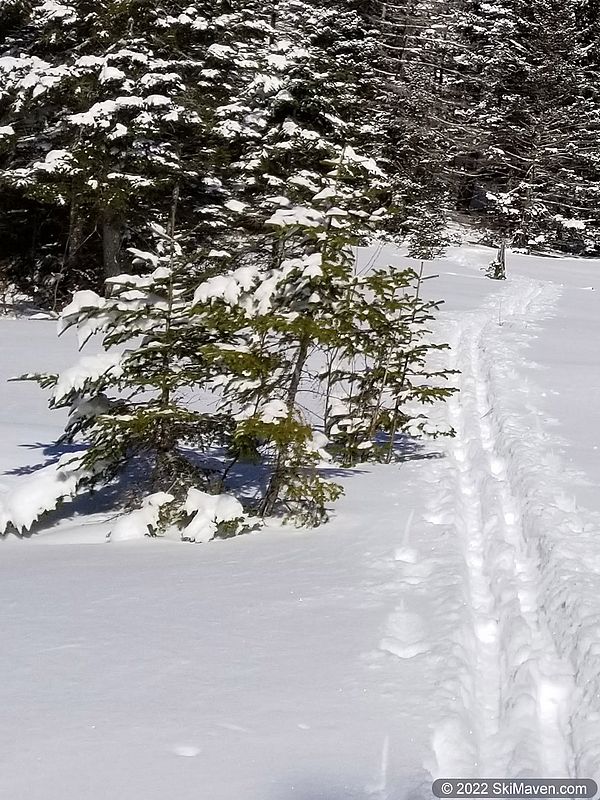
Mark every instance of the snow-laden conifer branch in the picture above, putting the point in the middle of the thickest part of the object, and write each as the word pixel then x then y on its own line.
pixel 243 297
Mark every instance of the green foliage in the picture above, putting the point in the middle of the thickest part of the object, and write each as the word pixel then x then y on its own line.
pixel 300 355
pixel 306 496
pixel 382 367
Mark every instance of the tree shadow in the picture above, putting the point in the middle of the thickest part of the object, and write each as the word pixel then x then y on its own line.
pixel 407 448
pixel 52 452
pixel 107 500
pixel 247 481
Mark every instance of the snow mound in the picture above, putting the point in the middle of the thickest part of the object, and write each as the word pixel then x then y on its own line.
pixel 40 492
pixel 142 521
pixel 209 511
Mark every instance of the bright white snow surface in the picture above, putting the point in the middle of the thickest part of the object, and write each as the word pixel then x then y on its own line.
pixel 447 620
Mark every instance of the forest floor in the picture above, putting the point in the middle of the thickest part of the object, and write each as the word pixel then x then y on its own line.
pixel 445 622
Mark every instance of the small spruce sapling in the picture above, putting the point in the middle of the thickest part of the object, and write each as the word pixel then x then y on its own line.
pixel 129 407
pixel 383 372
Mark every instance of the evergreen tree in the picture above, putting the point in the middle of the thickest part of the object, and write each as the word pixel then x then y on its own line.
pixel 532 116
pixel 254 311
pixel 130 405
pixel 109 106
pixel 413 61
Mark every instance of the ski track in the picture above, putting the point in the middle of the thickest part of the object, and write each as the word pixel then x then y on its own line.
pixel 497 593
pixel 521 687
pixel 510 689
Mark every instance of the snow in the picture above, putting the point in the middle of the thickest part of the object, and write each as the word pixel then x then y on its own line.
pixel 90 61
pixel 40 82
pixel 142 521
pixel 326 193
pixel 298 215
pixel 101 114
pixel 336 212
pixel 306 180
pixel 54 10
pixel 350 156
pixel 220 51
pixel 33 496
pixel 86 371
pixel 10 63
pixel 227 287
pixel 81 301
pixel 576 224
pixel 108 73
pixel 158 100
pixel 207 511
pixel 118 132
pixel 56 161
pixel 444 622
pixel 267 412
pixel 235 205
pixel 318 444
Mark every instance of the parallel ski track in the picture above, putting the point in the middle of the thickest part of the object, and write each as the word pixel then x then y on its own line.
pixel 520 687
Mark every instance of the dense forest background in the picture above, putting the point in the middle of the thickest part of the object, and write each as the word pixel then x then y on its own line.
pixel 485 113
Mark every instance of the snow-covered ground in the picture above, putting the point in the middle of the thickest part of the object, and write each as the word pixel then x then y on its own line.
pixel 447 620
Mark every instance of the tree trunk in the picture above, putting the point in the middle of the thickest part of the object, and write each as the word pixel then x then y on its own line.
pixel 276 481
pixel 73 247
pixel 112 234
pixel 76 235
pixel 297 373
pixel 500 271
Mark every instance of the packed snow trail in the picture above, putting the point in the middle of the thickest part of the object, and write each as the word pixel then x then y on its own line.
pixel 358 660
pixel 516 689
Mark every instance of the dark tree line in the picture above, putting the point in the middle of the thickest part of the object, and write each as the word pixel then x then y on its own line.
pixel 483 112
pixel 497 103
